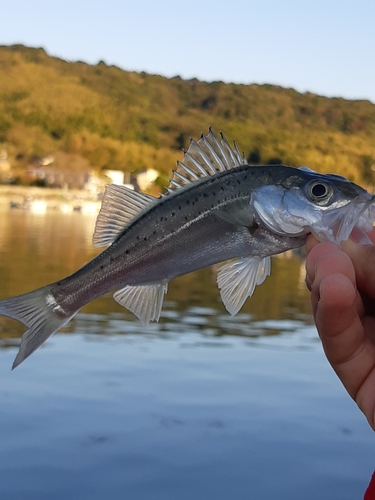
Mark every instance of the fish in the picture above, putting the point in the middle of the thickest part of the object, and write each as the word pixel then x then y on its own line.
pixel 216 210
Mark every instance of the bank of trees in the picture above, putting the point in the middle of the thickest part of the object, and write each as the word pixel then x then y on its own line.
pixel 117 119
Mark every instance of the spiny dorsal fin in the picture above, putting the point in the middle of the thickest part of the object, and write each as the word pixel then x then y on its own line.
pixel 206 157
pixel 144 301
pixel 119 206
pixel 237 280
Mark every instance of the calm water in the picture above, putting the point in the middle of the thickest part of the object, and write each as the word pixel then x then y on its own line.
pixel 198 406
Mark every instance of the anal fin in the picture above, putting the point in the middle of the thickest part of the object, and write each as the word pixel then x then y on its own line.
pixel 145 301
pixel 237 280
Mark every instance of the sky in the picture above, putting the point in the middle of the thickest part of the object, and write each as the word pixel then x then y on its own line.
pixel 321 46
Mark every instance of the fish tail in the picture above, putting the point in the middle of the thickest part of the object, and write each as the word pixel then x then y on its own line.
pixel 40 313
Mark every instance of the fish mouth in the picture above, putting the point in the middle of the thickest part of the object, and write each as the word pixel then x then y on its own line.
pixel 336 225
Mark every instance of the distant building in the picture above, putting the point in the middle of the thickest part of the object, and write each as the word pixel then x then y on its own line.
pixel 146 178
pixel 53 177
pixel 69 172
pixel 116 176
pixel 69 175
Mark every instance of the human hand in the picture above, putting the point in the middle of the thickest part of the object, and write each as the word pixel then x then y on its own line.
pixel 342 285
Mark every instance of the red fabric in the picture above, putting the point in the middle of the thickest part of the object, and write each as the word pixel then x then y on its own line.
pixel 370 492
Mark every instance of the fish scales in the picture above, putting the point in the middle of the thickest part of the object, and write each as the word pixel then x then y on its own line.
pixel 133 253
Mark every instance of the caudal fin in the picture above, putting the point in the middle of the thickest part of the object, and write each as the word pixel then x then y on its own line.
pixel 40 313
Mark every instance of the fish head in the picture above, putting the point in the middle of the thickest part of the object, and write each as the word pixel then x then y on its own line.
pixel 327 205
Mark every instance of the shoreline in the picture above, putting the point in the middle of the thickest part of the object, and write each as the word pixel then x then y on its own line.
pixel 40 199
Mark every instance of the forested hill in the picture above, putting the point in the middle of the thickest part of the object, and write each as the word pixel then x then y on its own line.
pixel 105 117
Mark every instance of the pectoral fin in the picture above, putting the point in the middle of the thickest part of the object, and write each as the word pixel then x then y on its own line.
pixel 237 212
pixel 144 301
pixel 238 279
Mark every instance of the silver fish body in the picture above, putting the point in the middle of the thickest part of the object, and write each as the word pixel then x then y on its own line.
pixel 217 208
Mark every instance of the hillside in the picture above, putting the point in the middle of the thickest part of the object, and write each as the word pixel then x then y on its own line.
pixel 105 117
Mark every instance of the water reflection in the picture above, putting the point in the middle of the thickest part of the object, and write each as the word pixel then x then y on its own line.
pixel 199 405
pixel 205 325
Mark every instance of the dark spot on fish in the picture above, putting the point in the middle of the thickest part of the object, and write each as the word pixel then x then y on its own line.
pixel 205 195
pixel 101 267
pixel 179 207
pixel 144 238
pixel 59 283
pixel 187 202
pixel 127 252
pixel 161 219
pixel 173 214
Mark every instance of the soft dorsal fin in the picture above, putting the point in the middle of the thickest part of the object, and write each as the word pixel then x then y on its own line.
pixel 206 157
pixel 119 206
pixel 145 301
pixel 237 280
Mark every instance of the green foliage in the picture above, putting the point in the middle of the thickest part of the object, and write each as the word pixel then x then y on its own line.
pixel 124 120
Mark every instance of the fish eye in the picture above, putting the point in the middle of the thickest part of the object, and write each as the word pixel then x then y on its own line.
pixel 320 193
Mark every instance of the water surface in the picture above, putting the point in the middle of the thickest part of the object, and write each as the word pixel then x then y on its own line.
pixel 200 405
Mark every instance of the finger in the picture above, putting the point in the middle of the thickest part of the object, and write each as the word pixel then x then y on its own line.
pixel 333 254
pixel 310 243
pixel 371 235
pixel 330 260
pixel 360 236
pixel 337 317
pixel 365 397
pixel 343 337
pixel 363 258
